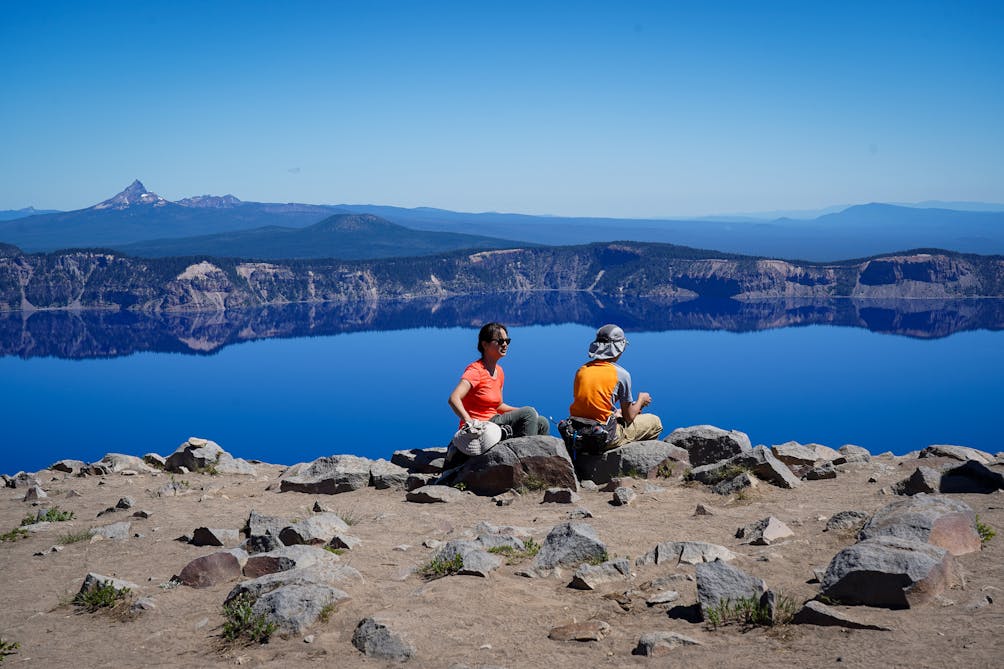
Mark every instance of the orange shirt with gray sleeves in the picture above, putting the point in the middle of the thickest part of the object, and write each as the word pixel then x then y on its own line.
pixel 482 401
pixel 599 386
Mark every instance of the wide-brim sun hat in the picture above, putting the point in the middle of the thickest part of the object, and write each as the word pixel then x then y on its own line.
pixel 478 438
pixel 609 343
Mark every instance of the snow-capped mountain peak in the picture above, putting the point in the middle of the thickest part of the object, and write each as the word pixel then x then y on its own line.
pixel 135 195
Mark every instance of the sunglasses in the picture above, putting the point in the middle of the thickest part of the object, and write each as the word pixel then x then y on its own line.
pixel 503 342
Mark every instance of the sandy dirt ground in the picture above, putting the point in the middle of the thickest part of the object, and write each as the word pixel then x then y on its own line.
pixel 499 621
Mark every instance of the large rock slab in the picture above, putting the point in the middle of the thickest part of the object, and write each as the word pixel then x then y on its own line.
pixel 758 461
pixel 329 476
pixel 324 572
pixel 660 644
pixel 385 475
pixel 537 462
pixel 433 494
pixel 685 552
pixel 116 463
pixel 643 459
pixel 817 613
pixel 420 460
pixel 718 581
pixel 970 476
pixel 375 638
pixel 764 532
pixel 590 577
pixel 293 608
pixel 923 479
pixel 795 454
pixel 263 532
pixel 287 558
pixel 318 528
pixel 570 544
pixel 203 455
pixel 957 453
pixel 210 570
pixel 935 519
pixel 889 572
pixel 706 444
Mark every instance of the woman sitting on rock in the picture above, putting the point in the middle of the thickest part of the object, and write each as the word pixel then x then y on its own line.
pixel 477 399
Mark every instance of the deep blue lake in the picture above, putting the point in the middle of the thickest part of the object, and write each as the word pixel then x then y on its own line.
pixel 287 391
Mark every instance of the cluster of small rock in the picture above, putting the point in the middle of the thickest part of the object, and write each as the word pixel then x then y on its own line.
pixel 292 572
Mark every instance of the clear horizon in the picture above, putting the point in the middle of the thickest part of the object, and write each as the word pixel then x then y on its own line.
pixel 639 110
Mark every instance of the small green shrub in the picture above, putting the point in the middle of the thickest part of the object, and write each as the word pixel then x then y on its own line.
pixel 350 516
pixel 598 559
pixel 14 535
pixel 514 555
pixel 986 532
pixel 7 648
pixel 74 537
pixel 532 483
pixel 750 612
pixel 665 470
pixel 460 485
pixel 325 613
pixel 726 473
pixel 241 623
pixel 336 551
pixel 105 595
pixel 439 567
pixel 51 515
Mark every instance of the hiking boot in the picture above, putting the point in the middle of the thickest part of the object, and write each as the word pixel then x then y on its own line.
pixel 506 432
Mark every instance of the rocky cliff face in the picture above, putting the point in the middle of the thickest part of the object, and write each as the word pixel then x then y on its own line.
pixel 96 280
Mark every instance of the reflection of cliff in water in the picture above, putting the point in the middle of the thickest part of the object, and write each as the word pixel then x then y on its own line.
pixel 98 334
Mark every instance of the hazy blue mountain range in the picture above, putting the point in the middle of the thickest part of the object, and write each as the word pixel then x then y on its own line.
pixel 11 214
pixel 343 236
pixel 138 221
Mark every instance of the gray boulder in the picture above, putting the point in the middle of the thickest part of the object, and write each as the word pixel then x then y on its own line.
pixel 329 572
pixel 94 581
pixel 817 613
pixel 718 581
pixel 206 536
pixel 385 475
pixel 537 462
pixel 560 496
pixel 316 529
pixel 195 455
pixel 34 493
pixel 758 461
pixel 293 608
pixel 374 638
pixel 795 454
pixel 20 480
pixel 849 453
pixel 432 494
pixel 589 577
pixel 645 459
pixel 119 531
pixel 821 472
pixel 420 460
pixel 263 532
pixel 476 561
pixel 764 532
pixel 685 552
pixel 957 453
pixel 73 467
pixel 935 519
pixel 706 444
pixel 329 476
pixel 115 463
pixel 923 479
pixel 623 496
pixel 659 644
pixel 970 476
pixel 570 544
pixel 846 520
pixel 731 486
pixel 889 572
pixel 287 558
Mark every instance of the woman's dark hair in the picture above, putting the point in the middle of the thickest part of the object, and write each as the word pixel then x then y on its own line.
pixel 490 331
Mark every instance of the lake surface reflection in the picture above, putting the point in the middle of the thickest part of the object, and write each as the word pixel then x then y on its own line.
pixel 309 381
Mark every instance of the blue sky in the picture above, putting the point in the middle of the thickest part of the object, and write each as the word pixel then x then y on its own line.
pixel 568 108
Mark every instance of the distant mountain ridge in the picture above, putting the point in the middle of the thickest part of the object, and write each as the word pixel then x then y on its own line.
pixel 139 221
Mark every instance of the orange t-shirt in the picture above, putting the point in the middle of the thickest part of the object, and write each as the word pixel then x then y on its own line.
pixel 482 401
pixel 599 386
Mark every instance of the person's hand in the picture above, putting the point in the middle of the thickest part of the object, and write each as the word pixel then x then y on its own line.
pixel 644 399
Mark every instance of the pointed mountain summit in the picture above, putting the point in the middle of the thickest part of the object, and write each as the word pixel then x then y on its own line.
pixel 135 195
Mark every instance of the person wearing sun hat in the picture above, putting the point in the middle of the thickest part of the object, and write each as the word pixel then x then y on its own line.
pixel 602 384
